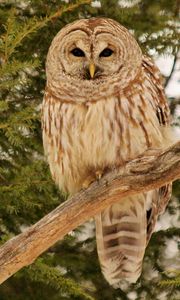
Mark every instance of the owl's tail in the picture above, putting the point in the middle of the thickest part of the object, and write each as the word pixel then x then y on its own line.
pixel 121 239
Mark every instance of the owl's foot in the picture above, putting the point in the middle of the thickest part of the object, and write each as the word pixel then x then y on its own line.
pixel 99 174
pixel 91 178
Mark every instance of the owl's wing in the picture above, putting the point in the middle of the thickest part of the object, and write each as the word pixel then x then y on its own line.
pixel 124 229
pixel 159 201
pixel 155 83
pixel 161 197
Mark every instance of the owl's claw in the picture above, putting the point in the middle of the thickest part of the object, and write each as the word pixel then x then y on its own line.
pixel 87 182
pixel 99 174
pixel 91 178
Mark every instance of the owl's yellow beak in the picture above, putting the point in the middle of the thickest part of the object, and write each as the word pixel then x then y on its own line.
pixel 92 69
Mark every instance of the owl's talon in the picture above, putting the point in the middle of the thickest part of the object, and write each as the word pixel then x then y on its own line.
pixel 87 182
pixel 91 178
pixel 99 174
pixel 106 182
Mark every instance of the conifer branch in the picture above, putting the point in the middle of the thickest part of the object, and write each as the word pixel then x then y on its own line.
pixel 172 280
pixel 15 32
pixel 55 280
pixel 142 174
pixel 21 119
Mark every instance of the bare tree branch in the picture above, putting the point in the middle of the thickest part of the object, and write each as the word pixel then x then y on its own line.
pixel 168 78
pixel 139 175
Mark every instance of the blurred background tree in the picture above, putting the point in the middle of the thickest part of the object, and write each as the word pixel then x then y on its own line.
pixel 70 269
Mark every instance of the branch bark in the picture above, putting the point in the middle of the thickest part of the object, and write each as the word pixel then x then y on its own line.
pixel 145 173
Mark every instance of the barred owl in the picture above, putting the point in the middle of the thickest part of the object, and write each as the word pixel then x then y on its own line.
pixel 104 105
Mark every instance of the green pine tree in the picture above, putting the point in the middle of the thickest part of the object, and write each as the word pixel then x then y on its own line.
pixel 70 269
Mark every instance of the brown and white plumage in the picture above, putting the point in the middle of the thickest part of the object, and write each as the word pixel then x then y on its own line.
pixel 94 122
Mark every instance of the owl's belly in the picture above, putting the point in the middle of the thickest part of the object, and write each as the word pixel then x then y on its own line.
pixel 89 138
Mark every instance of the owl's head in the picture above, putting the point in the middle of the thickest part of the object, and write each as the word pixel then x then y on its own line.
pixel 92 51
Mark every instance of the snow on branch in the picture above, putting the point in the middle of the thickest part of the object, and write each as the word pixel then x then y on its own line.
pixel 150 171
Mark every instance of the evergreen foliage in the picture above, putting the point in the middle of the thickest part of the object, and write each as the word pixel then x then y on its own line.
pixel 70 269
pixel 173 282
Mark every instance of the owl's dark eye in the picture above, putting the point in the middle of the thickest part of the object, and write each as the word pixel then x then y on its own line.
pixel 106 52
pixel 77 52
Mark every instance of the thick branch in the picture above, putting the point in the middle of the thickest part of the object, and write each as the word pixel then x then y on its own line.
pixel 139 175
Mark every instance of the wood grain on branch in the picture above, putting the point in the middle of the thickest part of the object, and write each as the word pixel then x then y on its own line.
pixel 145 173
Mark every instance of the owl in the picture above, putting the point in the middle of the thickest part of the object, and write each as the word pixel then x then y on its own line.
pixel 104 105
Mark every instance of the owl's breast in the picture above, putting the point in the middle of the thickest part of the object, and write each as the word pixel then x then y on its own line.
pixel 81 138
